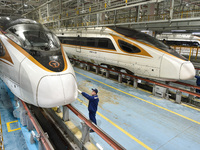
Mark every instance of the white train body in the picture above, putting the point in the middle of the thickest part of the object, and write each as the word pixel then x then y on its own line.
pixel 184 39
pixel 121 47
pixel 46 79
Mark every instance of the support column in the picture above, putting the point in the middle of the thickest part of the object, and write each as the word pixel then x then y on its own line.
pixel 48 12
pixel 191 97
pixel 82 65
pixel 40 16
pixel 120 78
pixel 167 91
pixel 85 133
pixel 98 19
pixel 178 97
pixel 171 9
pixel 150 11
pixel 115 16
pixel 137 14
pixel 65 113
pixel 88 67
pixel 135 82
pixel 154 90
pixel 107 73
pixel 97 70
pixel 29 124
pixel 60 13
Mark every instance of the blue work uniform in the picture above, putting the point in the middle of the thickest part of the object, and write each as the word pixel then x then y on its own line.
pixel 198 83
pixel 92 107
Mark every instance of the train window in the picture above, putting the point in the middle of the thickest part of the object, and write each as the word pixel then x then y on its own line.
pixel 105 43
pixel 83 41
pixel 91 42
pixel 128 47
pixel 69 40
pixel 2 51
pixel 61 39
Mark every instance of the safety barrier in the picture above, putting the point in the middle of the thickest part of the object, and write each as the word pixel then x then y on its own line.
pixel 186 50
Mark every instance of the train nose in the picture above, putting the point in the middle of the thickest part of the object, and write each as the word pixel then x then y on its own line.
pixel 56 90
pixel 187 71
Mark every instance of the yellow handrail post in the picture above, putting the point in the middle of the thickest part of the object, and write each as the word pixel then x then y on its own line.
pixel 190 53
pixel 197 53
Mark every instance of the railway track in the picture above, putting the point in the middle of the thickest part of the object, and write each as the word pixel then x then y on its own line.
pixel 53 133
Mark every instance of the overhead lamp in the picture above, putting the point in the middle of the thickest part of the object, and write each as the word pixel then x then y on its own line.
pixel 178 30
pixel 166 33
pixel 8 18
pixel 25 5
pixel 196 33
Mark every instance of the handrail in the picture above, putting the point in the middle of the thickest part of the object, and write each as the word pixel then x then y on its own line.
pixel 39 131
pixel 103 135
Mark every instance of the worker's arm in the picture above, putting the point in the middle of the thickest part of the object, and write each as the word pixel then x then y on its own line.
pixel 80 91
pixel 87 96
pixel 198 77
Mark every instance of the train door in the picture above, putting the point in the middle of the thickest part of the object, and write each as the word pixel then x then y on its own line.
pixel 78 41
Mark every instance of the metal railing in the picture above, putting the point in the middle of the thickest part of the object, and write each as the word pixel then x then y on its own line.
pixel 188 51
pixel 114 144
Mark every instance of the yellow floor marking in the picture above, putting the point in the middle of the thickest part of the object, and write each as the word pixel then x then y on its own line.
pixel 191 107
pixel 122 130
pixel 152 96
pixel 141 99
pixel 188 105
pixel 9 128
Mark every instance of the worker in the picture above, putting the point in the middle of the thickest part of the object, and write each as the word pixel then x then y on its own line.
pixel 198 83
pixel 93 104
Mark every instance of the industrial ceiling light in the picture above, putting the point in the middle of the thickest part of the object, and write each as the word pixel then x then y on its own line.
pixel 196 33
pixel 25 5
pixel 178 30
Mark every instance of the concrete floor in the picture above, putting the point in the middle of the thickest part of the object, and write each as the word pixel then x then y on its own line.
pixel 15 136
pixel 136 119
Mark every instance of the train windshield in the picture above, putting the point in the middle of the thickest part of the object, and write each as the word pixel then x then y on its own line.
pixel 39 42
pixel 34 37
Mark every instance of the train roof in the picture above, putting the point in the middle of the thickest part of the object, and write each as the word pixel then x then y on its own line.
pixel 7 22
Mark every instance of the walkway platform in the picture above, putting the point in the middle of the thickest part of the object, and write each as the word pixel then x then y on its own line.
pixel 136 119
pixel 15 136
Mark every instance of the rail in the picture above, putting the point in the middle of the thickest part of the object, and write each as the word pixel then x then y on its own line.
pixel 37 128
pixel 103 135
pixel 147 80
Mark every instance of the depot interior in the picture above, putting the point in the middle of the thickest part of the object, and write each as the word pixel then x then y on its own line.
pixel 134 111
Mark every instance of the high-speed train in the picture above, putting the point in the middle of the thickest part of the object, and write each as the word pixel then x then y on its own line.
pixel 126 48
pixel 180 39
pixel 33 64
